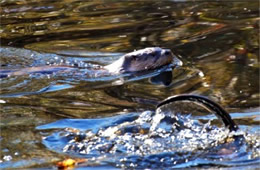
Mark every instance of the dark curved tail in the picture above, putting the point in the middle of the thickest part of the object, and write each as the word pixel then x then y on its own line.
pixel 218 110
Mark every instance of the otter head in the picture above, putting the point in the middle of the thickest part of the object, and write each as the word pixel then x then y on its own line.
pixel 145 59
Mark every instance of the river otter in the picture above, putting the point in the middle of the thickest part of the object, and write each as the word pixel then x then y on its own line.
pixel 145 59
pixel 211 105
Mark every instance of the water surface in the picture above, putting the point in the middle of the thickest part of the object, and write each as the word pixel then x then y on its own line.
pixel 218 43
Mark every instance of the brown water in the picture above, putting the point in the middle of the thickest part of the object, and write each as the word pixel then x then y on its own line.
pixel 218 43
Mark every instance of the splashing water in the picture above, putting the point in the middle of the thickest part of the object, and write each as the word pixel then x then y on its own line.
pixel 154 140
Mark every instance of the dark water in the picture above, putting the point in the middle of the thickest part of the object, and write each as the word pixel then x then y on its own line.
pixel 42 114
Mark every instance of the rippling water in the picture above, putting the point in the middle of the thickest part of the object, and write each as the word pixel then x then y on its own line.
pixel 218 43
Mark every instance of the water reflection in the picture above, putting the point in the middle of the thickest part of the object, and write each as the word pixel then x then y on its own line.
pixel 216 41
pixel 164 78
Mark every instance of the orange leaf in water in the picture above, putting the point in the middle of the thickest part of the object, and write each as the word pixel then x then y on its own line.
pixel 67 163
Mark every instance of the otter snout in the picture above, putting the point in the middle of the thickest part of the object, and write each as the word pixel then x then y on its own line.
pixel 171 58
pixel 174 59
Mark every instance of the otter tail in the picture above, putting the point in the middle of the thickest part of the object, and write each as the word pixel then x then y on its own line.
pixel 218 110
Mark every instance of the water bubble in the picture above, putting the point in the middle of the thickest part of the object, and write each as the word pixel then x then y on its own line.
pixel 143 39
pixel 2 101
pixel 7 158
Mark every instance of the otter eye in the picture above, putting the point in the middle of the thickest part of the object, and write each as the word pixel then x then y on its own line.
pixel 134 57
